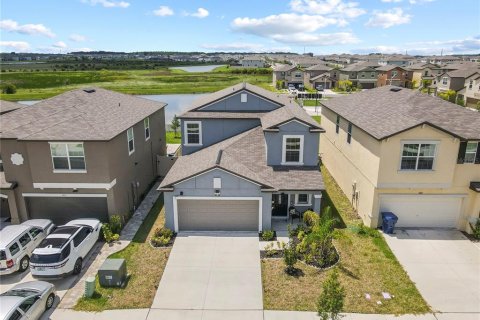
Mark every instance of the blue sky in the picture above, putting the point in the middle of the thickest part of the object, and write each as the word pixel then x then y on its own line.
pixel 319 26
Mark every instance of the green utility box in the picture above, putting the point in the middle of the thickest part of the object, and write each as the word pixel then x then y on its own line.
pixel 112 273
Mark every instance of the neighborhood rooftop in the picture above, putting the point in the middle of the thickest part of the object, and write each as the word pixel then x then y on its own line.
pixel 386 111
pixel 7 106
pixel 78 115
pixel 244 155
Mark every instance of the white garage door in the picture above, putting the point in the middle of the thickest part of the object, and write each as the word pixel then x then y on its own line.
pixel 423 211
pixel 218 215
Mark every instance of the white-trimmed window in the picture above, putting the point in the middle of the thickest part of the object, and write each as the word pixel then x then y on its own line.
pixel 68 157
pixel 303 199
pixel 418 156
pixel 193 132
pixel 444 80
pixel 470 84
pixel 131 141
pixel 243 97
pixel 146 125
pixel 292 151
pixel 471 152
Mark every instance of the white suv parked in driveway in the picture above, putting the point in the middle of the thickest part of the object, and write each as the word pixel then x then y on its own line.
pixel 62 252
pixel 18 241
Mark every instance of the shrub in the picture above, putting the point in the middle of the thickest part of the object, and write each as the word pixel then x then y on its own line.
pixel 310 218
pixel 108 235
pixel 9 88
pixel 290 258
pixel 363 230
pixel 476 229
pixel 269 250
pixel 163 232
pixel 161 241
pixel 116 223
pixel 268 235
pixel 330 301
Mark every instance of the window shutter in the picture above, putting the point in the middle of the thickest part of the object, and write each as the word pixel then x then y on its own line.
pixel 477 157
pixel 461 152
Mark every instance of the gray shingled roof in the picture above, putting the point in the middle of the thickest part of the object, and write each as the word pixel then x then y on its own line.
pixel 359 66
pixel 285 114
pixel 284 68
pixel 462 73
pixel 382 112
pixel 320 76
pixel 421 65
pixel 215 96
pixel 389 67
pixel 319 67
pixel 7 106
pixel 220 115
pixel 78 116
pixel 245 155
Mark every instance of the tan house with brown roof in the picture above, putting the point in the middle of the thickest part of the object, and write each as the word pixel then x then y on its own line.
pixel 397 150
pixel 83 153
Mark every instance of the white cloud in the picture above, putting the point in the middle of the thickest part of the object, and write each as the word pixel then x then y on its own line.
pixel 108 3
pixel 31 29
pixel 337 8
pixel 244 47
pixel 389 18
pixel 77 37
pixel 20 46
pixel 60 44
pixel 163 11
pixel 393 1
pixel 200 13
pixel 420 1
pixel 315 40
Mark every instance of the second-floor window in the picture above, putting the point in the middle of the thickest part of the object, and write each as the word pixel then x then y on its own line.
pixel 68 156
pixel 146 125
pixel 337 125
pixel 131 141
pixel 470 84
pixel 394 74
pixel 418 156
pixel 471 152
pixel 193 133
pixel 349 132
pixel 444 80
pixel 292 150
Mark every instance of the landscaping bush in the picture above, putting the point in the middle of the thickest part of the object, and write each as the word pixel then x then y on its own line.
pixel 116 223
pixel 330 302
pixel 476 229
pixel 163 232
pixel 108 234
pixel 162 237
pixel 268 235
pixel 310 218
pixel 290 258
pixel 363 230
pixel 9 88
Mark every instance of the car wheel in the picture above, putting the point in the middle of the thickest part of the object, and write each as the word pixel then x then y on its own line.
pixel 24 264
pixel 77 268
pixel 50 301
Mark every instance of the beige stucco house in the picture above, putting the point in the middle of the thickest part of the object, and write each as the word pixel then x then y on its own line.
pixel 398 150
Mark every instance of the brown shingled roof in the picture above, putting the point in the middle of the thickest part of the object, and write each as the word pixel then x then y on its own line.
pixel 7 106
pixel 383 112
pixel 78 115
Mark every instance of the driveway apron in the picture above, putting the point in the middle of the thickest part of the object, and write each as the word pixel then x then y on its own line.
pixel 212 271
pixel 444 265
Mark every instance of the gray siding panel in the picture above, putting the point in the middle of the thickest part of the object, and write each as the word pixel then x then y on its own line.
pixel 233 103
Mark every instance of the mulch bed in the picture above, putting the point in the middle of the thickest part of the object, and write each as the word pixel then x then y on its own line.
pixel 275 254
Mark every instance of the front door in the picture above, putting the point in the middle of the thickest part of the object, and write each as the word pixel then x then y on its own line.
pixel 279 205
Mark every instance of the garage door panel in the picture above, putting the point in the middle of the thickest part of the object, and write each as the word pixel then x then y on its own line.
pixel 217 215
pixel 61 210
pixel 423 211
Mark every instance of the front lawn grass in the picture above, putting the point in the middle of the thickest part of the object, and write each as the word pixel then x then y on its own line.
pixel 171 138
pixel 144 264
pixel 367 266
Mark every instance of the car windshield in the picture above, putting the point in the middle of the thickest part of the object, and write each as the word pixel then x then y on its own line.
pixel 3 256
pixel 20 293
pixel 52 243
pixel 45 258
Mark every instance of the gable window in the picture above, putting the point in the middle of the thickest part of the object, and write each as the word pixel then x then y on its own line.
pixel 394 74
pixel 471 152
pixel 146 125
pixel 444 80
pixel 302 199
pixel 131 141
pixel 418 156
pixel 470 84
pixel 426 73
pixel 243 97
pixel 298 75
pixel 193 133
pixel 67 156
pixel 292 150
pixel 349 133
pixel 337 125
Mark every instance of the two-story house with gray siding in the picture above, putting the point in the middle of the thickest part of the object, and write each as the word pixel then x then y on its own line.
pixel 288 75
pixel 361 74
pixel 83 153
pixel 249 157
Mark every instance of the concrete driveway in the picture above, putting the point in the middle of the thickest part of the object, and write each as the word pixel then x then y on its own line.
pixel 444 265
pixel 211 272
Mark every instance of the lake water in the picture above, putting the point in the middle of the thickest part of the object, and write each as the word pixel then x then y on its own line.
pixel 176 103
pixel 197 68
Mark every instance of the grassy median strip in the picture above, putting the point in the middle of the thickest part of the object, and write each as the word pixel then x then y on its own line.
pixel 367 266
pixel 145 265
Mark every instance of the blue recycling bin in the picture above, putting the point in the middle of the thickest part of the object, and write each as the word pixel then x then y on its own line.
pixel 389 219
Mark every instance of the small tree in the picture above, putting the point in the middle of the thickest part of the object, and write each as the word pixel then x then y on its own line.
pixel 290 258
pixel 175 124
pixel 449 95
pixel 9 88
pixel 330 301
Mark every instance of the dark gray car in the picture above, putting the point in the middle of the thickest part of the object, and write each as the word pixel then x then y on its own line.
pixel 27 300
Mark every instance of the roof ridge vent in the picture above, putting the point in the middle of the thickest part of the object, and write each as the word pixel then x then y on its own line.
pixel 219 157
